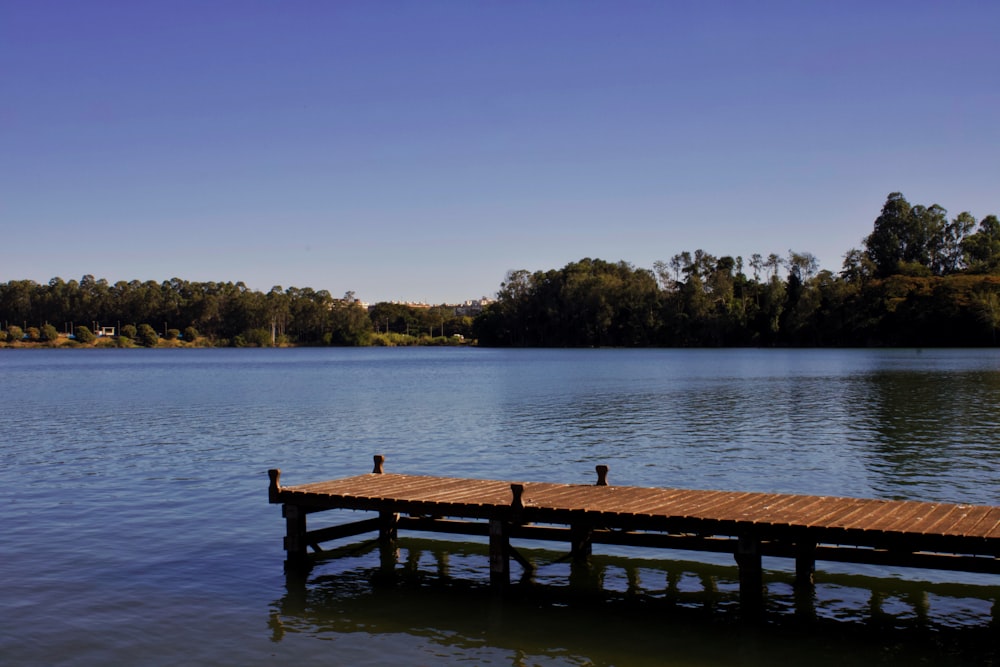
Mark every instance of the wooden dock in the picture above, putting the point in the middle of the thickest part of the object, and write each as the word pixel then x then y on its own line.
pixel 943 536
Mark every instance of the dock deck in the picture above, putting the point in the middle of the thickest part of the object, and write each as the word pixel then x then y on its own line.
pixel 748 525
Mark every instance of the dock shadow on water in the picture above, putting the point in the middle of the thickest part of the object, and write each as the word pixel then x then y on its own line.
pixel 623 610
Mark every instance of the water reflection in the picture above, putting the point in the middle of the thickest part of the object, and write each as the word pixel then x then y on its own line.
pixel 936 431
pixel 619 610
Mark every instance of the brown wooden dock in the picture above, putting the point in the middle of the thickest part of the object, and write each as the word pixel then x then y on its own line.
pixel 943 536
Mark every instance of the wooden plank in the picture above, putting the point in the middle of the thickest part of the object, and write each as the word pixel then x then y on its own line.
pixel 740 507
pixel 896 514
pixel 621 499
pixel 991 533
pixel 940 520
pixel 655 504
pixel 558 497
pixel 788 510
pixel 979 521
pixel 855 516
pixel 687 505
pixel 972 516
pixel 757 511
pixel 472 497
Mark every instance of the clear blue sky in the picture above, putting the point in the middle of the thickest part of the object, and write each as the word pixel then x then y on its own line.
pixel 419 150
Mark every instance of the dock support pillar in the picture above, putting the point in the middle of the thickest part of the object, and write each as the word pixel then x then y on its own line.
pixel 295 535
pixel 748 558
pixel 580 542
pixel 805 565
pixel 388 523
pixel 499 553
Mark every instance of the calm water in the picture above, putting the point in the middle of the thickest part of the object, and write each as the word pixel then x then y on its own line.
pixel 136 528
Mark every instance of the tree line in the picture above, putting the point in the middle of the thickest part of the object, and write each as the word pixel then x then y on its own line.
pixel 211 313
pixel 919 279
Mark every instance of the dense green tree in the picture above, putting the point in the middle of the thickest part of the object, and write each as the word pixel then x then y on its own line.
pixel 986 305
pixel 147 336
pixel 349 323
pixel 981 250
pixel 84 335
pixel 49 333
pixel 259 337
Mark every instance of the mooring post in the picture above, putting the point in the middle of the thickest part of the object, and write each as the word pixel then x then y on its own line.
pixel 379 463
pixel 517 496
pixel 499 557
pixel 748 558
pixel 602 475
pixel 274 488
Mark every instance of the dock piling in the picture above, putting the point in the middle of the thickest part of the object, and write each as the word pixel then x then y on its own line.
pixel 805 564
pixel 295 535
pixel 499 556
pixel 748 558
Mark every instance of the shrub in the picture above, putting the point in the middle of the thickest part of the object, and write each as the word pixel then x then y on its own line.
pixel 190 334
pixel 50 334
pixel 172 334
pixel 84 335
pixel 253 338
pixel 129 331
pixel 34 335
pixel 147 336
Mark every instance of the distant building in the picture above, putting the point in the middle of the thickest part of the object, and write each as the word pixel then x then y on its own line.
pixel 472 308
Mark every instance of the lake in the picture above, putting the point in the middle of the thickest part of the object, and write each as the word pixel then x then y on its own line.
pixel 137 530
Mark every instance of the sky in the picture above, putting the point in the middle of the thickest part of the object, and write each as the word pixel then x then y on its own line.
pixel 418 151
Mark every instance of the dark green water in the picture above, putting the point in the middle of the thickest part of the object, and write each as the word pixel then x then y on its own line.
pixel 137 531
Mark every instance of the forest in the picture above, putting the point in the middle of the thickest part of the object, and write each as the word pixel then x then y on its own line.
pixel 919 279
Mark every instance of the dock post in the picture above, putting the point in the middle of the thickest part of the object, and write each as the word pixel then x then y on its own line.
pixel 379 463
pixel 805 564
pixel 274 488
pixel 602 475
pixel 499 554
pixel 388 523
pixel 295 535
pixel 748 558
pixel 580 542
